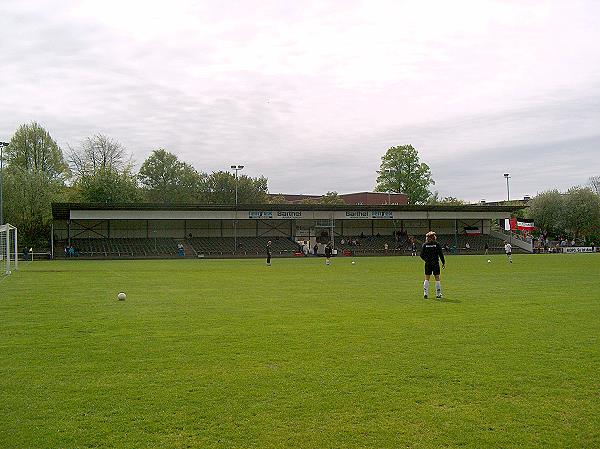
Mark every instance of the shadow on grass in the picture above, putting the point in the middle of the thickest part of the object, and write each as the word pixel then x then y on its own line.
pixel 452 301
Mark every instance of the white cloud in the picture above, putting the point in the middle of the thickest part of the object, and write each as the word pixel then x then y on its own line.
pixel 309 94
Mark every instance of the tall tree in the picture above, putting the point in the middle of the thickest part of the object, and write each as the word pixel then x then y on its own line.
pixel 166 179
pixel 28 200
pixel 108 186
pixel 32 149
pixel 221 188
pixel 547 210
pixel 401 171
pixel 103 172
pixel 582 211
pixel 33 179
pixel 595 184
pixel 98 153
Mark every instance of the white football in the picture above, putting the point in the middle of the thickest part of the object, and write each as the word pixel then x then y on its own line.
pixel 121 296
pixel 353 262
pixel 489 261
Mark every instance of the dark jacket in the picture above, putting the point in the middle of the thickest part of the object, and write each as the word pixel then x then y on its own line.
pixel 431 252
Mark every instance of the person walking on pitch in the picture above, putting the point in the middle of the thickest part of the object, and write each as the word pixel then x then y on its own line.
pixel 269 253
pixel 432 254
pixel 508 251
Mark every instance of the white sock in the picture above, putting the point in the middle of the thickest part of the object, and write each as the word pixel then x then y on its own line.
pixel 438 288
pixel 425 287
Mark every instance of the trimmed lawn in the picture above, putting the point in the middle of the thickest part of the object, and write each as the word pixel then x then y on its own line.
pixel 234 354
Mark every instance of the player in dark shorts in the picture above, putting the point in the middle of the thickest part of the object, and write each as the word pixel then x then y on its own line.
pixel 431 253
pixel 269 253
pixel 328 252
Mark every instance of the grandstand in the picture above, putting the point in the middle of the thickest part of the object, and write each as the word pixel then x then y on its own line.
pixel 156 231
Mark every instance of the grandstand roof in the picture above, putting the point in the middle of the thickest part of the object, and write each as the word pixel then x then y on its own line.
pixel 61 211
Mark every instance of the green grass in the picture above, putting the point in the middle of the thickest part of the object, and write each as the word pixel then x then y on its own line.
pixel 233 354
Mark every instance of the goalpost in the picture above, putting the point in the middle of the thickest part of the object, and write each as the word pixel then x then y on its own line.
pixel 9 259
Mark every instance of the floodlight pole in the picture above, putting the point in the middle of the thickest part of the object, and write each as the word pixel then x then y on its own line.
pixel 507 176
pixel 389 171
pixel 236 168
pixel 2 145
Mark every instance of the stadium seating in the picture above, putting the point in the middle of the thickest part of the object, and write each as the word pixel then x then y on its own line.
pixel 256 246
pixel 126 247
pixel 246 246
pixel 476 244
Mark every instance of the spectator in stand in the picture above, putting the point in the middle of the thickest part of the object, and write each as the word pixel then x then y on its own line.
pixel 467 246
pixel 385 247
pixel 486 247
pixel 573 242
pixel 315 249
pixel 305 249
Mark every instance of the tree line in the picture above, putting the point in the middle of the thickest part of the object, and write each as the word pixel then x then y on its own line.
pixel 100 170
pixel 574 213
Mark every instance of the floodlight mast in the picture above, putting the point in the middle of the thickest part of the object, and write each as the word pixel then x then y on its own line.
pixel 507 176
pixel 236 168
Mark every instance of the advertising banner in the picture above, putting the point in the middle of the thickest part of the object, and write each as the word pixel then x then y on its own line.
pixel 255 214
pixel 577 249
pixel 386 214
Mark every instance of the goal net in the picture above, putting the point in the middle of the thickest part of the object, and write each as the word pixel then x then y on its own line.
pixel 8 249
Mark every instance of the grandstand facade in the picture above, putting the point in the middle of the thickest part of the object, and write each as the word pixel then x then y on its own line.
pixel 152 230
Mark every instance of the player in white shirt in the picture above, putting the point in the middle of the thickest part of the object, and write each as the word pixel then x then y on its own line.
pixel 508 251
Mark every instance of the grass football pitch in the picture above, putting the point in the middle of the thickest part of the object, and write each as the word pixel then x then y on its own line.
pixel 234 354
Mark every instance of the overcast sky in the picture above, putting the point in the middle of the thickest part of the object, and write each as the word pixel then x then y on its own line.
pixel 311 94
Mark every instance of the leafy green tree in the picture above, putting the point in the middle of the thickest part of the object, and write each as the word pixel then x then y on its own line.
pixel 34 177
pixel 108 186
pixel 32 149
pixel 582 211
pixel 165 179
pixel 221 189
pixel 28 197
pixel 277 199
pixel 330 198
pixel 401 171
pixel 547 210
pixel 103 172
pixel 436 199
